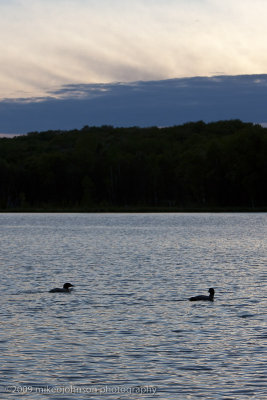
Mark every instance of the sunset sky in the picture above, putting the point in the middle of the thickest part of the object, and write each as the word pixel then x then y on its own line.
pixel 49 43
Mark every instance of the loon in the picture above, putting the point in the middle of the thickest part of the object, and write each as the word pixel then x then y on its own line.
pixel 203 297
pixel 65 289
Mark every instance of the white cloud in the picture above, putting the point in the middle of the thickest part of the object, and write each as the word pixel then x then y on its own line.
pixel 48 43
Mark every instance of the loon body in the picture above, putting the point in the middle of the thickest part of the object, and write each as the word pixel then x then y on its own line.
pixel 203 297
pixel 65 289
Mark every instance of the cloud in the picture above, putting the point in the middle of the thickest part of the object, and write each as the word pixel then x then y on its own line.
pixel 46 44
pixel 150 103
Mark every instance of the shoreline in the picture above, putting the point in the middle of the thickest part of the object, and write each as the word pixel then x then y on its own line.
pixel 135 210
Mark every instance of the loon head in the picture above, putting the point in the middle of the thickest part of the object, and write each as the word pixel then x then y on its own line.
pixel 67 286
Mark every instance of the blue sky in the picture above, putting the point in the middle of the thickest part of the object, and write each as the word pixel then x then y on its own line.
pixel 49 43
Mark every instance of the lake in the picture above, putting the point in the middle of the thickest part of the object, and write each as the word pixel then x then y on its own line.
pixel 127 330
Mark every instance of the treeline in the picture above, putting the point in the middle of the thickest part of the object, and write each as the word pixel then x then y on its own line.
pixel 195 165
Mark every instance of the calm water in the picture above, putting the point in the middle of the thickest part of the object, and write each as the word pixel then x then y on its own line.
pixel 127 330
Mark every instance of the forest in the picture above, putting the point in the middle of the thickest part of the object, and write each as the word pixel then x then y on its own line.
pixel 195 166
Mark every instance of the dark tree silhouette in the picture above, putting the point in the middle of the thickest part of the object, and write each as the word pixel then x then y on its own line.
pixel 192 166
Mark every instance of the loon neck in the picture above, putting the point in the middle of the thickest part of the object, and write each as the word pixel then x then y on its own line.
pixel 211 296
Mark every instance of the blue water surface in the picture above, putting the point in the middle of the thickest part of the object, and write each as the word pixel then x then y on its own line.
pixel 127 331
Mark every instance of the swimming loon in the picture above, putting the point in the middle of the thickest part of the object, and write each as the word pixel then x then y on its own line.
pixel 65 289
pixel 203 297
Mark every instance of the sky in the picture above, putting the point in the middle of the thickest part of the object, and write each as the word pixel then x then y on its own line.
pixel 46 44
pixel 145 103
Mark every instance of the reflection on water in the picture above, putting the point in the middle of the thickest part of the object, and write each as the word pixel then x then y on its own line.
pixel 127 330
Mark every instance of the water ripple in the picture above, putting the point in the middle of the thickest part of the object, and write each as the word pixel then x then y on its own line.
pixel 128 324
